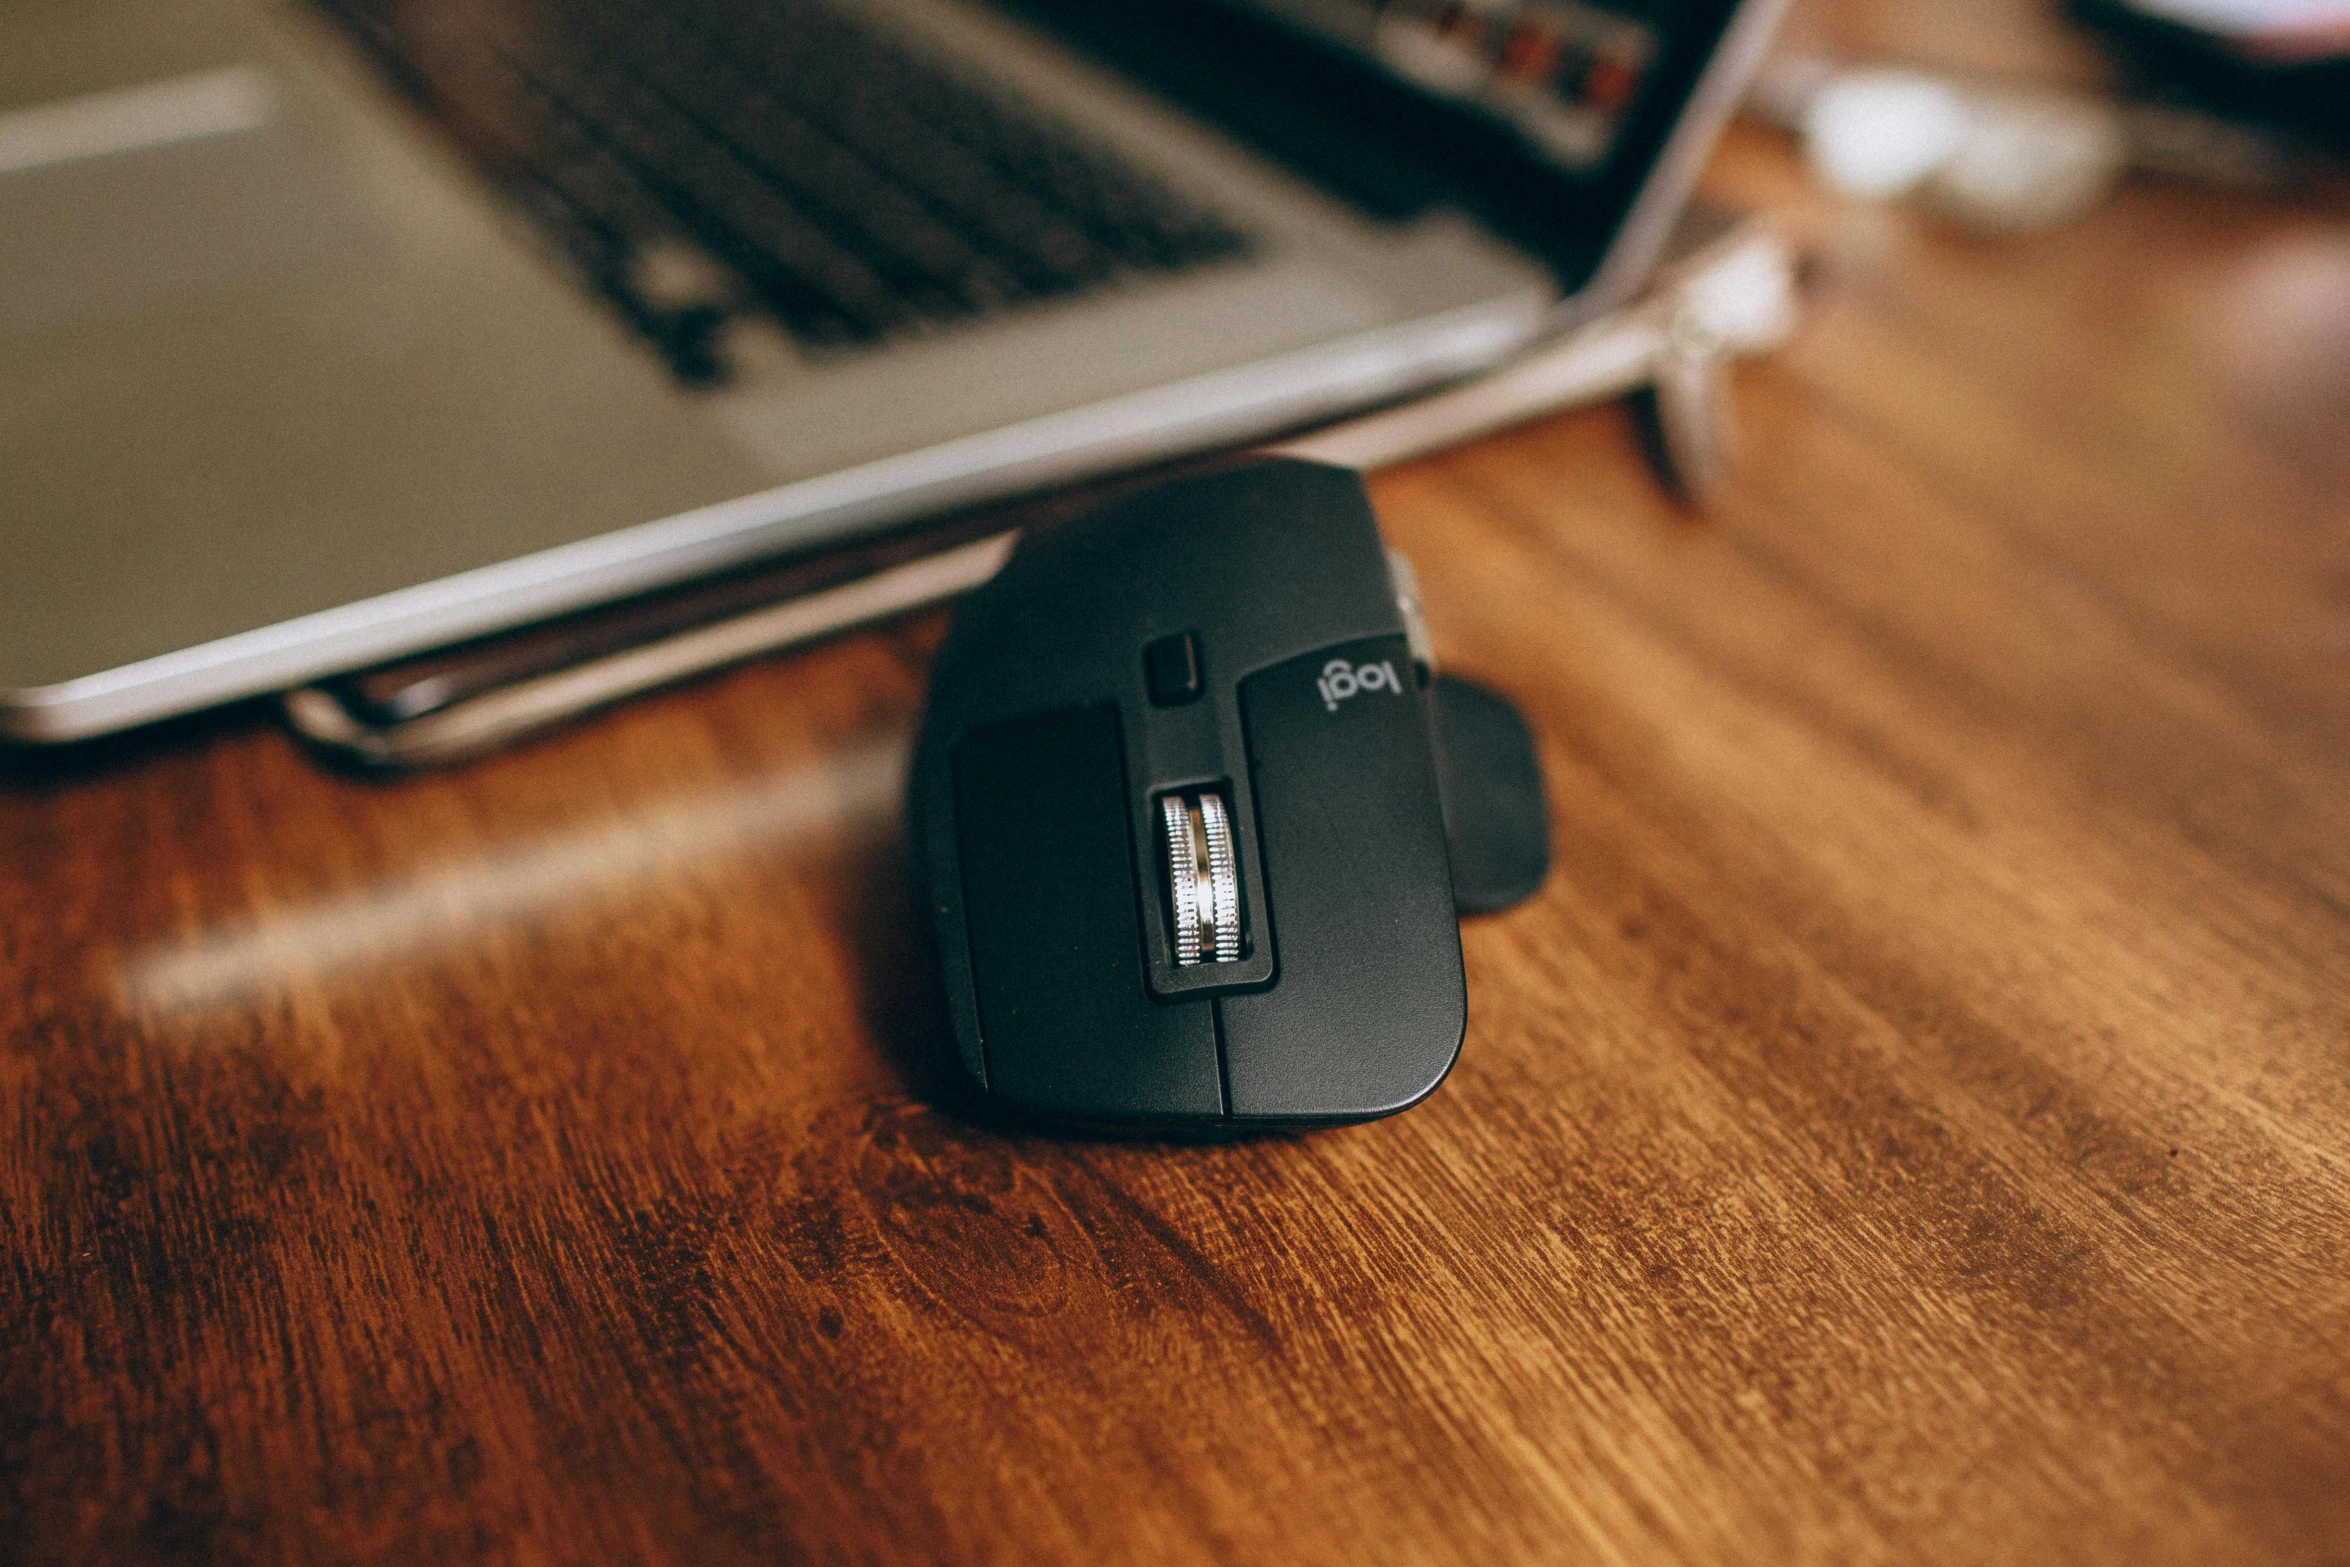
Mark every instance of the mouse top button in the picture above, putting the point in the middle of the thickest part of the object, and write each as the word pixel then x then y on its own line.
pixel 1172 667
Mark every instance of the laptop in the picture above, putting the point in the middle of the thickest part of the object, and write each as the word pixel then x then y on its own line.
pixel 335 330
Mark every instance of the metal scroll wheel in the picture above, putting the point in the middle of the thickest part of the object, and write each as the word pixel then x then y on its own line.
pixel 1203 881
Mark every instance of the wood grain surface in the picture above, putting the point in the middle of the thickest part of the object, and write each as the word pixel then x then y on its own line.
pixel 1912 1124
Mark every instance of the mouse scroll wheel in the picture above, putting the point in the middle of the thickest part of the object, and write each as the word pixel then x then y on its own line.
pixel 1203 879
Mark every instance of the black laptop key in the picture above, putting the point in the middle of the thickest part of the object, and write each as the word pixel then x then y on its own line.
pixel 841 179
pixel 728 204
pixel 834 184
pixel 854 104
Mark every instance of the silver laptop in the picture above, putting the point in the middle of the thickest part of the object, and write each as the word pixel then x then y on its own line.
pixel 333 330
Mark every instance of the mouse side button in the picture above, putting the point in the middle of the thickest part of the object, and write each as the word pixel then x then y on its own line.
pixel 1368 1013
pixel 1049 913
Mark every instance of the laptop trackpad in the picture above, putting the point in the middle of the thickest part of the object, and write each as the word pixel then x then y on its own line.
pixel 124 197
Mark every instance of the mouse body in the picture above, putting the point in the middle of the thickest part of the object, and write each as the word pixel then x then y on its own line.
pixel 1177 817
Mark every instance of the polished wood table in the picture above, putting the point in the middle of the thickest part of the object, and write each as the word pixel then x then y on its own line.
pixel 1911 1125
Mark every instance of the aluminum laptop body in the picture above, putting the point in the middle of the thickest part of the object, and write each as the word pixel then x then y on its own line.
pixel 303 368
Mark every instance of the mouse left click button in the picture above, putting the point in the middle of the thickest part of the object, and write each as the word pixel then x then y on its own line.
pixel 1066 1023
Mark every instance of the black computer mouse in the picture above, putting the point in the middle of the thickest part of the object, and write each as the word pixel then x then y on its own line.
pixel 1177 809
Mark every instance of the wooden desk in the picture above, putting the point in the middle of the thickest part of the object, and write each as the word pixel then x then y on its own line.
pixel 1913 1124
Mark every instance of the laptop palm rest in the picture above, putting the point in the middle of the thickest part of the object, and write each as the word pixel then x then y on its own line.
pixel 195 183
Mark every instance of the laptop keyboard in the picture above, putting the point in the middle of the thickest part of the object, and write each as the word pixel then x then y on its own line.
pixel 788 158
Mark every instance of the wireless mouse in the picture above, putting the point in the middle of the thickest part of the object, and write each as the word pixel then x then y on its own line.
pixel 1179 822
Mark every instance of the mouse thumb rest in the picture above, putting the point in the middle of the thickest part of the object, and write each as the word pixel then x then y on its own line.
pixel 1181 810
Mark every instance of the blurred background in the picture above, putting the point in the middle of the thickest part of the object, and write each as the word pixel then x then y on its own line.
pixel 2220 128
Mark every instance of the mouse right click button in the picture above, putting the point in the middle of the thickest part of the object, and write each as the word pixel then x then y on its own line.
pixel 1366 1014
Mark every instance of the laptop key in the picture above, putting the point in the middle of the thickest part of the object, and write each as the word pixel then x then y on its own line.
pixel 853 184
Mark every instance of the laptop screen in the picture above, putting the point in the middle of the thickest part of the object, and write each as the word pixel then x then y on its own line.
pixel 1557 74
pixel 1543 117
